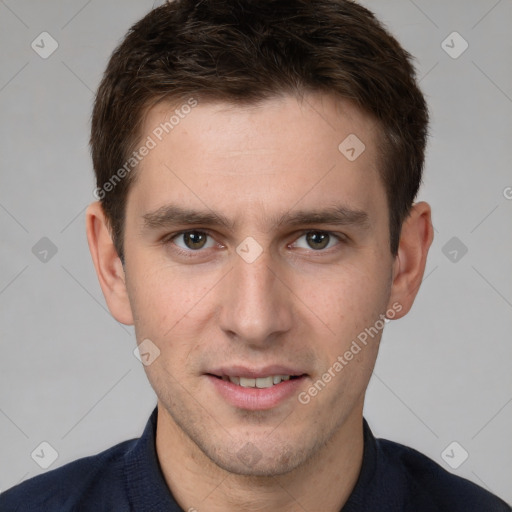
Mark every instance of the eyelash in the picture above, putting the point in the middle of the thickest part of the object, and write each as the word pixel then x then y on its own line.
pixel 168 240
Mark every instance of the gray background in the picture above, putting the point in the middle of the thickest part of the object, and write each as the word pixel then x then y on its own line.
pixel 67 372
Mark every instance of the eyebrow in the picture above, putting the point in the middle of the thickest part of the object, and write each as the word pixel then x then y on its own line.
pixel 170 215
pixel 173 215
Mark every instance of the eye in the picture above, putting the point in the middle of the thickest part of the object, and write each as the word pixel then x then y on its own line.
pixel 317 240
pixel 192 240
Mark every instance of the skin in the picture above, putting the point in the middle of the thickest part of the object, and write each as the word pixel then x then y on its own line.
pixel 296 304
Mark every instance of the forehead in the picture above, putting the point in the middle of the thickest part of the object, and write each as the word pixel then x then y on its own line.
pixel 254 158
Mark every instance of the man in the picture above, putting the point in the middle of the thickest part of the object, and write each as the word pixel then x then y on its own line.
pixel 257 164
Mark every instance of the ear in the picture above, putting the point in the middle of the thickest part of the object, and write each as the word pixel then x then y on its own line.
pixel 409 266
pixel 108 266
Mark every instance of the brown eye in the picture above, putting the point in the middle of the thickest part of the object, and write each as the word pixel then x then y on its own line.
pixel 194 239
pixel 318 240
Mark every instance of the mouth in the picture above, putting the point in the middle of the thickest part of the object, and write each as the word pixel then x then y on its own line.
pixel 256 389
pixel 259 382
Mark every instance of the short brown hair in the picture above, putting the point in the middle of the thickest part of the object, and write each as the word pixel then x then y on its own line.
pixel 244 51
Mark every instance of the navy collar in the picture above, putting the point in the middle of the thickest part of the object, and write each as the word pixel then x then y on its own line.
pixel 358 498
pixel 145 484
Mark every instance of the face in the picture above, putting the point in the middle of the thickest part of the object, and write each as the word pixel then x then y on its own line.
pixel 256 249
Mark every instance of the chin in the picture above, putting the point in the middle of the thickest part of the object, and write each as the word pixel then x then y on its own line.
pixel 251 461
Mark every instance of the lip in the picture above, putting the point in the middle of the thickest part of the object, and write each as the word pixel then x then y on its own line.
pixel 256 399
pixel 255 373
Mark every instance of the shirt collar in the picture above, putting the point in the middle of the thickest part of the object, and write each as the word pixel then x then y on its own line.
pixel 145 483
pixel 358 498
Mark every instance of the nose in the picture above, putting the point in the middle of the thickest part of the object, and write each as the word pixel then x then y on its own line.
pixel 256 305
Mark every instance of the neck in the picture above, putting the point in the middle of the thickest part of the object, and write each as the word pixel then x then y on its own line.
pixel 324 482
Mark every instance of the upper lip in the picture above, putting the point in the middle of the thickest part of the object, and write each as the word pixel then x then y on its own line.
pixel 255 373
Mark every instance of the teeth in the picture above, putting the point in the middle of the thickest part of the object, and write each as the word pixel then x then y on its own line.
pixel 247 383
pixel 260 382
pixel 264 382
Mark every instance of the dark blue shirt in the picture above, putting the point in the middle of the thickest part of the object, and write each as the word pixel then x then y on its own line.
pixel 127 477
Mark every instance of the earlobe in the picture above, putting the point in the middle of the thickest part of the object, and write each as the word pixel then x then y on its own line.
pixel 415 240
pixel 109 268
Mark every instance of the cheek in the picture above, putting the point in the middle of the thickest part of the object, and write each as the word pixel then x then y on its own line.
pixel 164 299
pixel 353 307
pixel 350 298
pixel 166 310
